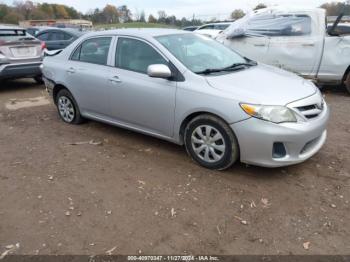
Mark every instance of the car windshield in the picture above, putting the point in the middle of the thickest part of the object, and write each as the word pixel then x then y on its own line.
pixel 200 53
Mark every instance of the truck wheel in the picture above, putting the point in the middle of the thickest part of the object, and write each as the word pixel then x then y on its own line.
pixel 347 82
pixel 211 142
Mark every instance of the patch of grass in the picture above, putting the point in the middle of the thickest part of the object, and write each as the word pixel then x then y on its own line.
pixel 133 25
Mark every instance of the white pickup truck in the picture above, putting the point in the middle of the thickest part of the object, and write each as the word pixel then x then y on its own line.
pixel 295 39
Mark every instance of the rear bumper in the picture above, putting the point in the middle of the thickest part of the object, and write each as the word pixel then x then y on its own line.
pixel 301 140
pixel 9 71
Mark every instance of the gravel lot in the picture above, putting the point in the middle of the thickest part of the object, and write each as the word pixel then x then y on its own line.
pixel 92 188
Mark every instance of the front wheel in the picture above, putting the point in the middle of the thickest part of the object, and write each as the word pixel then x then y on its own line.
pixel 68 108
pixel 347 82
pixel 211 142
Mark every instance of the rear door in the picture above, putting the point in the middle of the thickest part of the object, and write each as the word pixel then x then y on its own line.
pixel 87 74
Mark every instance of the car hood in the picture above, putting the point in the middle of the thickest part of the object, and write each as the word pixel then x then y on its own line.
pixel 263 84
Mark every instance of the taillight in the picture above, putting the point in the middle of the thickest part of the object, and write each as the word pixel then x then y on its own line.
pixel 43 45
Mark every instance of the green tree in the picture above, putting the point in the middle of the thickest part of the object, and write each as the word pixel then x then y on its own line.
pixel 260 6
pixel 237 14
pixel 12 18
pixel 152 19
pixel 110 14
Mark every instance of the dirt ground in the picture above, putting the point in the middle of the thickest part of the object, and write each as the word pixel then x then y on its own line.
pixel 127 193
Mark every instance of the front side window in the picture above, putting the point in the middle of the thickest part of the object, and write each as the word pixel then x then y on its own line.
pixel 279 25
pixel 136 55
pixel 199 53
pixel 93 51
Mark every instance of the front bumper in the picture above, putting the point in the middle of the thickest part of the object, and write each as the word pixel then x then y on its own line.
pixel 8 71
pixel 256 139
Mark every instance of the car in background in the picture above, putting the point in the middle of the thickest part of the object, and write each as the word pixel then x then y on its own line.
pixel 35 30
pixel 58 38
pixel 212 30
pixel 191 90
pixel 20 54
pixel 190 28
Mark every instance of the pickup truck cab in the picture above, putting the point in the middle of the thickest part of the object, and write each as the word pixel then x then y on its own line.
pixel 295 39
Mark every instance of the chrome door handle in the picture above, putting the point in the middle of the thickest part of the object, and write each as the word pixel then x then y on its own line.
pixel 71 70
pixel 115 79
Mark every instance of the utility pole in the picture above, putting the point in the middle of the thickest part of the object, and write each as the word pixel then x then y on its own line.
pixel 194 17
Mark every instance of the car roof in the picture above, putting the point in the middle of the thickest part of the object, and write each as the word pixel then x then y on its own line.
pixel 10 27
pixel 221 23
pixel 141 32
pixel 67 30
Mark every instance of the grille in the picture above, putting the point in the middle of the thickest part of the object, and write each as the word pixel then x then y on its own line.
pixel 310 111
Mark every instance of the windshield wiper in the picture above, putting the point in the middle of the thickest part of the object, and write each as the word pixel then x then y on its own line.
pixel 235 66
pixel 208 71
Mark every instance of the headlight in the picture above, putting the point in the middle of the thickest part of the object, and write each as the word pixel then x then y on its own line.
pixel 275 114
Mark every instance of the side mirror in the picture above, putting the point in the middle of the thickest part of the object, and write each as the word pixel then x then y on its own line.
pixel 159 71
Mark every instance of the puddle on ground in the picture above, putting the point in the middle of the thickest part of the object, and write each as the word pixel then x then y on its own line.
pixel 15 104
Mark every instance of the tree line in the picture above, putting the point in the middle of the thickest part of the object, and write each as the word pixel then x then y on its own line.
pixel 110 14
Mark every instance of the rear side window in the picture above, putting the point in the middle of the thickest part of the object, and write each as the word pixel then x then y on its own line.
pixel 136 55
pixel 93 51
pixel 280 25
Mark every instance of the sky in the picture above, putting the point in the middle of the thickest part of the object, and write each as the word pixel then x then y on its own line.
pixel 202 9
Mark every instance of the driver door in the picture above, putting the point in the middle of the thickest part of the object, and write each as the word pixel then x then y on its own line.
pixel 136 99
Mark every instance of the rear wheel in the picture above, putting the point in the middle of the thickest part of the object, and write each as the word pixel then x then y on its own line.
pixel 39 79
pixel 211 142
pixel 347 82
pixel 67 107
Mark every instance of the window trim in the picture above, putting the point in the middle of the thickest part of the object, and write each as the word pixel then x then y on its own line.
pixel 141 40
pixel 87 39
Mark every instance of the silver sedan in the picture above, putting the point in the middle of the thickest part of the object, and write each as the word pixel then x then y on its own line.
pixel 190 90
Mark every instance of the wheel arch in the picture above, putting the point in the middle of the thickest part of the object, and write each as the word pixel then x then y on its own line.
pixel 346 74
pixel 56 89
pixel 191 116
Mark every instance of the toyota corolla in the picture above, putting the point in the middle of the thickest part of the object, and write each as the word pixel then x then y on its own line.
pixel 190 90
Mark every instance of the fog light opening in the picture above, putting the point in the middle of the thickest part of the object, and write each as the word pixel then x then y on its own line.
pixel 279 150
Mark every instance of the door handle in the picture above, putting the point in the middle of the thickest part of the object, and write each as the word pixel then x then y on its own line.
pixel 115 79
pixel 308 45
pixel 71 70
pixel 262 45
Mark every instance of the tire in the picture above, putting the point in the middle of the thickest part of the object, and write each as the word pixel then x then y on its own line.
pixel 39 80
pixel 219 154
pixel 67 108
pixel 347 83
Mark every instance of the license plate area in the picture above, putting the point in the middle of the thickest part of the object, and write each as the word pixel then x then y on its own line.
pixel 25 51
